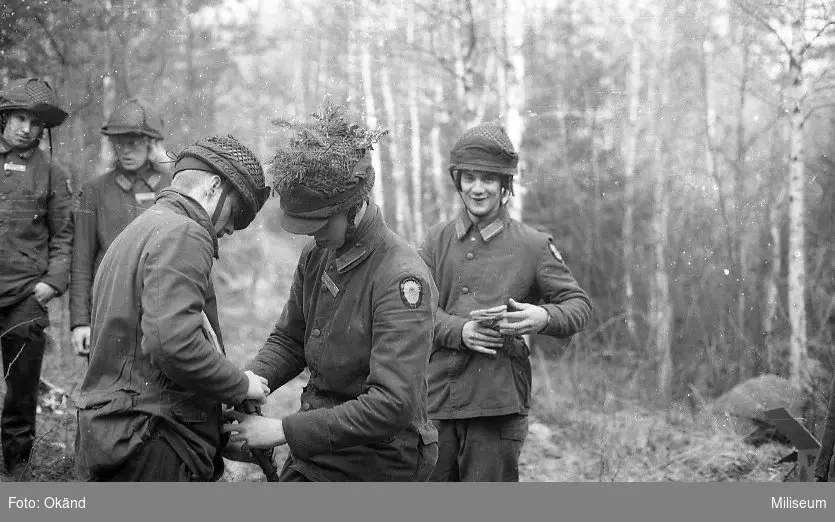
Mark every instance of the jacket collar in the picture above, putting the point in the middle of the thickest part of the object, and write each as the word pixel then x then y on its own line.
pixel 487 230
pixel 367 237
pixel 5 148
pixel 185 205
pixel 146 173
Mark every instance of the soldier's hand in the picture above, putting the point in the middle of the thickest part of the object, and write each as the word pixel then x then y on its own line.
pixel 257 432
pixel 80 340
pixel 250 407
pixel 481 339
pixel 44 293
pixel 524 319
pixel 258 389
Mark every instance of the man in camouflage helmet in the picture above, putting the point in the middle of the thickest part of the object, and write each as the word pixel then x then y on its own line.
pixel 107 203
pixel 359 317
pixel 498 280
pixel 150 407
pixel 35 243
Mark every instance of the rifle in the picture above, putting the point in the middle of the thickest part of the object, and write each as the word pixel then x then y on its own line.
pixel 264 458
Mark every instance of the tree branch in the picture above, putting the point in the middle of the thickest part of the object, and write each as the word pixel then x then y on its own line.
pixel 757 18
pixel 51 37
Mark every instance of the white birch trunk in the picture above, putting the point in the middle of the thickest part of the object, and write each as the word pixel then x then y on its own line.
pixel 772 294
pixel 661 313
pixel 515 77
pixel 378 192
pixel 402 212
pixel 106 154
pixel 415 135
pixel 441 182
pixel 798 371
pixel 629 162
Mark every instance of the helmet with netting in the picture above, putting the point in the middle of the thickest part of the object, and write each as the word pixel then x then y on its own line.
pixel 485 147
pixel 324 169
pixel 33 95
pixel 134 116
pixel 236 164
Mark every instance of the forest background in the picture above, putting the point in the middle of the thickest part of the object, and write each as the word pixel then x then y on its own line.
pixel 680 153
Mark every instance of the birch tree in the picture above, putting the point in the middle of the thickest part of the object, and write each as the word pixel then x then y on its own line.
pixel 661 307
pixel 798 26
pixel 512 64
pixel 416 148
pixel 630 155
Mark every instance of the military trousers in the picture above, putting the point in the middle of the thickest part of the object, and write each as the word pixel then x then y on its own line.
pixel 154 461
pixel 22 342
pixel 480 449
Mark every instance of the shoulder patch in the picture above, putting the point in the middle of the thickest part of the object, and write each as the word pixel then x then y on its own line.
pixel 555 252
pixel 411 291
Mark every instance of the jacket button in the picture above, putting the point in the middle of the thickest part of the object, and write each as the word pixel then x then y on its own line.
pixel 470 255
pixel 465 290
pixel 306 406
pixel 316 332
pixel 203 416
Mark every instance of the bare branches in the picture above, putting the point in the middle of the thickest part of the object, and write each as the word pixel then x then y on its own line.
pixel 758 17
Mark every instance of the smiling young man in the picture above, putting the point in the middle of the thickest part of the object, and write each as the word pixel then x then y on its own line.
pixel 150 407
pixel 360 316
pixel 35 243
pixel 107 203
pixel 483 261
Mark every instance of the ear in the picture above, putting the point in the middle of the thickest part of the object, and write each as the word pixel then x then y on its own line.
pixel 216 182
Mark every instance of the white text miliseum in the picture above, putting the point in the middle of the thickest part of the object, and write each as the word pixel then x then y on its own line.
pixel 793 503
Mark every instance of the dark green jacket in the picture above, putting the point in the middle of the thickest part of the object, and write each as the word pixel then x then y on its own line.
pixel 105 206
pixel 151 364
pixel 361 320
pixel 479 267
pixel 35 223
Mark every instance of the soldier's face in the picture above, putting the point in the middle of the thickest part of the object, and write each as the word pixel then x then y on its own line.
pixel 22 129
pixel 481 192
pixel 332 235
pixel 131 151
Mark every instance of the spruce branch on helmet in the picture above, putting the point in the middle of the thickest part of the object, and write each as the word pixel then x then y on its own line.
pixel 325 168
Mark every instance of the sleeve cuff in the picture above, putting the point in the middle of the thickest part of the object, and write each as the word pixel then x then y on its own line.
pixel 453 338
pixel 58 283
pixel 307 433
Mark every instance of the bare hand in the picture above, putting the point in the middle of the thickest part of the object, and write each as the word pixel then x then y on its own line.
pixel 525 319
pixel 258 389
pixel 44 293
pixel 257 432
pixel 80 340
pixel 480 339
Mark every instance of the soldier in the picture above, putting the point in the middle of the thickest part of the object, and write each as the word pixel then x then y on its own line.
pixel 359 316
pixel 107 203
pixel 150 404
pixel 35 243
pixel 498 280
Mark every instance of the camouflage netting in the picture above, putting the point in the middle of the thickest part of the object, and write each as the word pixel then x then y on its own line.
pixel 35 95
pixel 323 154
pixel 485 147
